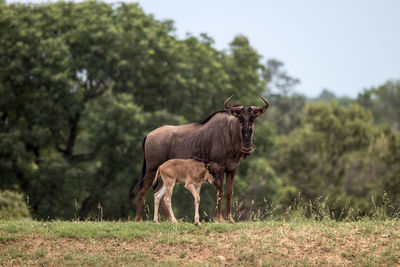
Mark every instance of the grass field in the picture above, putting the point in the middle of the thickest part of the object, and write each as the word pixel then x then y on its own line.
pixel 262 243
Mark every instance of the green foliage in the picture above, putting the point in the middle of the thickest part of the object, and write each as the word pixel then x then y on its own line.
pixel 328 97
pixel 13 205
pixel 277 79
pixel 384 103
pixel 286 111
pixel 391 158
pixel 314 157
pixel 81 84
pixel 243 68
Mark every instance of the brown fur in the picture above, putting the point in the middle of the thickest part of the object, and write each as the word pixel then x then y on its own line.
pixel 225 137
pixel 192 172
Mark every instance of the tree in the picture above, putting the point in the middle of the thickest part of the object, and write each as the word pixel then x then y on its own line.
pixel 81 89
pixel 277 79
pixel 327 96
pixel 384 102
pixel 391 157
pixel 287 107
pixel 243 68
pixel 314 157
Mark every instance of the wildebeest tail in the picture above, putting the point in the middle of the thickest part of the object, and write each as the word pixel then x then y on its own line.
pixel 135 188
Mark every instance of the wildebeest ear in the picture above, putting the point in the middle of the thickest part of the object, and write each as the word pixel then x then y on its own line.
pixel 235 111
pixel 258 111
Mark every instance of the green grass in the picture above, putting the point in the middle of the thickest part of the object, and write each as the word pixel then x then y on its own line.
pixel 259 243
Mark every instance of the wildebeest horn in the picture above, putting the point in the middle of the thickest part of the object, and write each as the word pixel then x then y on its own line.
pixel 226 103
pixel 265 101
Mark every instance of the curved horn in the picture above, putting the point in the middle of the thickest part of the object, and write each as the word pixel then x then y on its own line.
pixel 226 103
pixel 265 101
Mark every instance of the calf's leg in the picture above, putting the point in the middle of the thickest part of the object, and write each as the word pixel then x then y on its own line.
pixel 157 197
pixel 167 200
pixel 198 188
pixel 220 195
pixel 147 183
pixel 195 192
pixel 164 208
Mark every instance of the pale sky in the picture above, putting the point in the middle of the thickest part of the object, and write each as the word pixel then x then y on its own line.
pixel 341 45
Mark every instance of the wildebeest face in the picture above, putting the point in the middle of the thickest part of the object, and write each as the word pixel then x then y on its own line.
pixel 246 116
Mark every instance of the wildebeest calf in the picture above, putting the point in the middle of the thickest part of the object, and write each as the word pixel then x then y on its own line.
pixel 191 171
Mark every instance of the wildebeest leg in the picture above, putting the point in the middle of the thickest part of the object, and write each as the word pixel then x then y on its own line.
pixel 147 182
pixel 220 195
pixel 229 193
pixel 195 192
pixel 167 199
pixel 157 197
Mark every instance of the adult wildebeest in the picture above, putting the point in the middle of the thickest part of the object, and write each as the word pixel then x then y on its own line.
pixel 225 137
pixel 191 171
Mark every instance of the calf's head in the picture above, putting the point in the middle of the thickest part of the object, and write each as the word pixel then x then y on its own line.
pixel 215 173
pixel 246 116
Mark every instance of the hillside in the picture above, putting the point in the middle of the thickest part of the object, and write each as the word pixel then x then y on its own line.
pixel 262 243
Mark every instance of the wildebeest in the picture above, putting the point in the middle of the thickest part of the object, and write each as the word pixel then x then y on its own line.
pixel 225 137
pixel 191 171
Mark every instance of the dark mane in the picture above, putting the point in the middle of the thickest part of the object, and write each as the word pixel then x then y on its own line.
pixel 198 159
pixel 209 117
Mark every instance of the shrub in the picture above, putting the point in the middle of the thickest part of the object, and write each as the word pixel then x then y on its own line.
pixel 13 206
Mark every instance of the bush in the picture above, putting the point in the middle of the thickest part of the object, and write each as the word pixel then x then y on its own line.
pixel 13 206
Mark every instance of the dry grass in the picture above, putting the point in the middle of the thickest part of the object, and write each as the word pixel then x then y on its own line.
pixel 242 244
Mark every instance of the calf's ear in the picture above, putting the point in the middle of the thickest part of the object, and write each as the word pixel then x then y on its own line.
pixel 207 165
